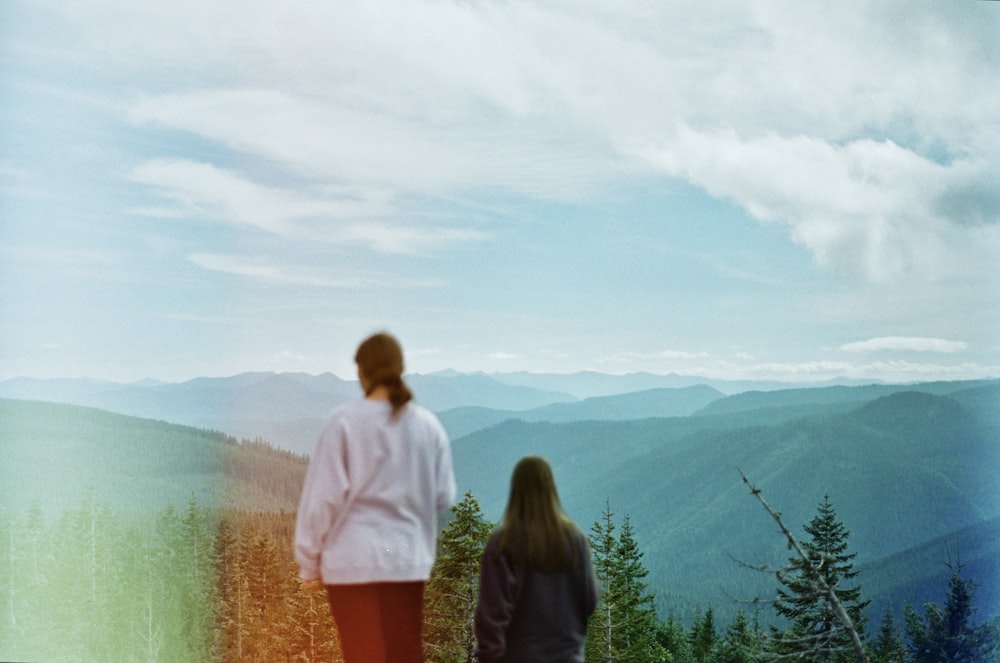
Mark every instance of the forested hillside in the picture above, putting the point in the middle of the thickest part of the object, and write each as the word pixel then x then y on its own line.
pixel 903 469
pixel 54 454
pixel 183 584
pixel 646 404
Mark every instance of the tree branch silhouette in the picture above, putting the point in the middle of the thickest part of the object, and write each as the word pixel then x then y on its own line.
pixel 823 588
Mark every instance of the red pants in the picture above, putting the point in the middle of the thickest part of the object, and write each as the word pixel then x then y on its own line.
pixel 379 622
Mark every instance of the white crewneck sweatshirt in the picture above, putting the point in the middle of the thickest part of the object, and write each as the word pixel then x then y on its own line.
pixel 374 487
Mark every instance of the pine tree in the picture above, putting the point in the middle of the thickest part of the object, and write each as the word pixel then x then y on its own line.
pixel 741 643
pixel 815 631
pixel 600 645
pixel 703 636
pixel 624 627
pixel 197 547
pixel 312 635
pixel 453 590
pixel 183 588
pixel 888 646
pixel 947 635
pixel 673 640
pixel 639 621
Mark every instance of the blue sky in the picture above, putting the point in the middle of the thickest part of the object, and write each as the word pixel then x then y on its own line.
pixel 772 190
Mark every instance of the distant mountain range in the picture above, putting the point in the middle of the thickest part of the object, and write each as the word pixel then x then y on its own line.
pixel 288 409
pixel 911 469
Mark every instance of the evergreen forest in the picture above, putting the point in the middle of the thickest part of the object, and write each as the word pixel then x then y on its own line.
pixel 202 584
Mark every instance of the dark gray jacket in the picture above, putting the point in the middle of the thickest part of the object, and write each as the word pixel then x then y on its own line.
pixel 530 616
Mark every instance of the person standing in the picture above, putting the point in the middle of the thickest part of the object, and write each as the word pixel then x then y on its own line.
pixel 537 585
pixel 366 526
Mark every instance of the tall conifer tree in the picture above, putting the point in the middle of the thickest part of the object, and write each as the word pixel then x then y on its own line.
pixel 703 636
pixel 948 635
pixel 888 647
pixel 454 586
pixel 624 627
pixel 814 630
pixel 674 640
pixel 741 643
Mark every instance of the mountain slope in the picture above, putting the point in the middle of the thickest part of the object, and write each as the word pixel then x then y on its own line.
pixel 757 400
pixel 54 454
pixel 973 551
pixel 900 470
pixel 664 402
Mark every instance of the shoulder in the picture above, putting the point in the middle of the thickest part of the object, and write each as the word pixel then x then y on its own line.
pixel 345 409
pixel 416 410
pixel 349 419
pixel 576 535
pixel 493 540
pixel 418 415
pixel 493 551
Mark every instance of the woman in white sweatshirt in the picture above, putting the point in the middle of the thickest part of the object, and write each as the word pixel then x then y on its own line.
pixel 367 519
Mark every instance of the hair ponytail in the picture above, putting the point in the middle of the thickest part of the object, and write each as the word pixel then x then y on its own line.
pixel 399 395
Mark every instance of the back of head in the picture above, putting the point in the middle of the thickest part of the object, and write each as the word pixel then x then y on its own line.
pixel 535 527
pixel 380 362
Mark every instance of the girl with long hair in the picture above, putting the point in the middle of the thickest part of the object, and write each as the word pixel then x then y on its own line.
pixel 537 585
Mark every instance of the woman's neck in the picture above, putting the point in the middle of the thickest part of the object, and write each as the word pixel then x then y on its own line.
pixel 379 393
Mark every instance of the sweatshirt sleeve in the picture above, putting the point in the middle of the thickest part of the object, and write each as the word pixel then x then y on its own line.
pixel 323 499
pixel 497 598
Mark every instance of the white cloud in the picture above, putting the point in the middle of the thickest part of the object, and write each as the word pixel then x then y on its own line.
pixel 263 271
pixel 266 270
pixel 392 238
pixel 205 189
pixel 873 153
pixel 743 366
pixel 503 356
pixel 650 358
pixel 905 343
pixel 887 371
pixel 822 371
pixel 332 139
pixel 283 358
pixel 866 208
pixel 863 131
pixel 331 215
pixel 19 183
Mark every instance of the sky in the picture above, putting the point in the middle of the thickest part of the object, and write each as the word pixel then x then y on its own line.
pixel 770 190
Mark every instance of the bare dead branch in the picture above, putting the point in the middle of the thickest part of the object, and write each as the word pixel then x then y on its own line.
pixel 829 595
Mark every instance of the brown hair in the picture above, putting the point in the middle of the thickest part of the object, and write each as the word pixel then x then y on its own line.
pixel 535 528
pixel 380 362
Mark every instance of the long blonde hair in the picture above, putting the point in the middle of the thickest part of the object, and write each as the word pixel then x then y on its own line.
pixel 535 528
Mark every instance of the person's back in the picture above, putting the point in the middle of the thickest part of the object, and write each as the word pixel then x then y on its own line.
pixel 387 467
pixel 543 615
pixel 537 585
pixel 366 526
